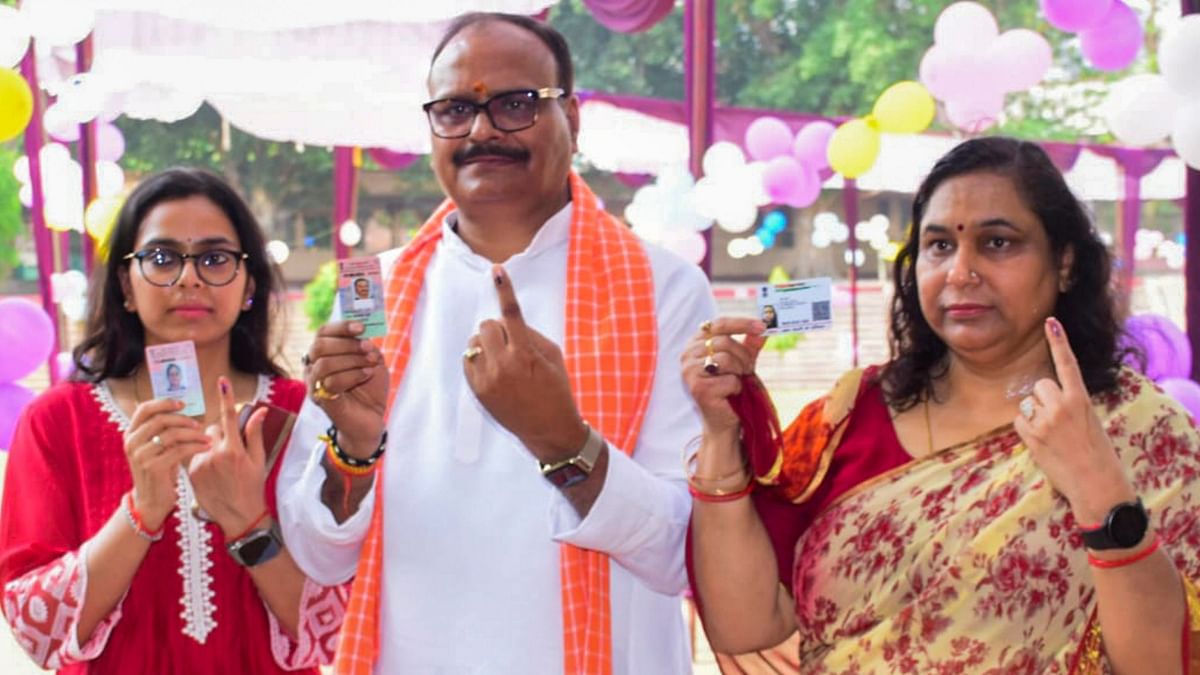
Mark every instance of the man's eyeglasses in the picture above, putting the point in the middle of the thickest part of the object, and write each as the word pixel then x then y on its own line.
pixel 507 111
pixel 164 267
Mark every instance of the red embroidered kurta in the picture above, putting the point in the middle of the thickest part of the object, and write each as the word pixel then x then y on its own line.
pixel 65 477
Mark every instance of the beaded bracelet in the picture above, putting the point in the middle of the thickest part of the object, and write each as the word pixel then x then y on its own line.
pixel 136 522
pixel 344 463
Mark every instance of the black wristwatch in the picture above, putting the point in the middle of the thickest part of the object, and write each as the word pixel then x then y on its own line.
pixel 257 547
pixel 1124 527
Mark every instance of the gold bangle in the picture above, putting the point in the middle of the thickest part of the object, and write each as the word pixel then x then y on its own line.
pixel 716 483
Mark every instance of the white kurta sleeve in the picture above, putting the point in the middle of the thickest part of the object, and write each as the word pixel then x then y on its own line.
pixel 326 551
pixel 641 515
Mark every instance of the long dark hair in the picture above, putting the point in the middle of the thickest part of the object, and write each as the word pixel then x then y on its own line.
pixel 1086 309
pixel 116 338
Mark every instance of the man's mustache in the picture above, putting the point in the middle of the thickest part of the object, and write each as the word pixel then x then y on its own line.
pixel 489 150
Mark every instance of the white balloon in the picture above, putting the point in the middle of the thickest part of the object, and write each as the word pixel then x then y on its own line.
pixel 754 246
pixel 839 232
pixel 21 169
pixel 687 245
pixel 14 36
pixel 59 23
pixel 706 197
pixel 74 308
pixel 825 220
pixel 53 153
pixel 110 179
pixel 25 194
pixel 80 99
pixel 1179 56
pixel 736 215
pixel 1185 134
pixel 723 159
pixel 278 251
pixel 736 248
pixel 749 183
pixel 350 233
pixel 821 238
pixel 1141 109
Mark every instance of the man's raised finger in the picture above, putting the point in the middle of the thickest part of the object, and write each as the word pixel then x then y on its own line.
pixel 510 309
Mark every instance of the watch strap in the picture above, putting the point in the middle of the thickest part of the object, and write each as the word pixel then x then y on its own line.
pixel 575 469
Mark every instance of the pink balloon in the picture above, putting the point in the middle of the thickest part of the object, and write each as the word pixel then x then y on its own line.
pixel 1114 43
pixel 1019 59
pixel 110 143
pixel 768 138
pixel 1075 15
pixel 976 112
pixel 788 182
pixel 964 26
pixel 811 144
pixel 13 399
pixel 949 75
pixel 27 334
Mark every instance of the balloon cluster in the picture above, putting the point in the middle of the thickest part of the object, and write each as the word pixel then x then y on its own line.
pixel 61 178
pixel 1151 243
pixel 762 239
pixel 791 162
pixel 663 213
pixel 1168 357
pixel 731 190
pixel 28 336
pixel 1110 33
pixel 69 291
pixel 972 65
pixel 1145 109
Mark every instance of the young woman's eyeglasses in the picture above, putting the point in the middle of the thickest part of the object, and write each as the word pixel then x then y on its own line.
pixel 507 111
pixel 164 267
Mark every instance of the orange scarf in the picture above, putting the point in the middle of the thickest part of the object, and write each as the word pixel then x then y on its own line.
pixel 610 349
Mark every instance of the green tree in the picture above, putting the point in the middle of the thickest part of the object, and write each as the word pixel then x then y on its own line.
pixel 12 220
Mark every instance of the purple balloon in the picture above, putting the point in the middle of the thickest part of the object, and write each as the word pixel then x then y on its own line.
pixel 1073 16
pixel 788 182
pixel 768 138
pixel 953 75
pixel 1167 349
pixel 811 144
pixel 110 143
pixel 1185 391
pixel 27 334
pixel 13 399
pixel 1114 43
pixel 975 111
pixel 1020 59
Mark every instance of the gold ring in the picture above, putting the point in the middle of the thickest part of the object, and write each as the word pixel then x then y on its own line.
pixel 706 327
pixel 710 366
pixel 199 513
pixel 708 346
pixel 471 352
pixel 321 393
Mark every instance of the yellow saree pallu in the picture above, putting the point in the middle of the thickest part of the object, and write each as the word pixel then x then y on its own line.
pixel 967 561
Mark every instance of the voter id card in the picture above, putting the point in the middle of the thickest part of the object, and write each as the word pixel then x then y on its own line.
pixel 796 306
pixel 175 374
pixel 360 295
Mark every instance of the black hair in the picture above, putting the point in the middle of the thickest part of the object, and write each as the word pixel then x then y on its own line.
pixel 115 338
pixel 1086 309
pixel 553 40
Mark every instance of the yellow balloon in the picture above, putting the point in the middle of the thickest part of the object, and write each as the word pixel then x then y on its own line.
pixel 16 104
pixel 100 217
pixel 853 148
pixel 905 108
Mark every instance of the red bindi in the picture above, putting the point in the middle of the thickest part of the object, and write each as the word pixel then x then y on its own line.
pixel 961 227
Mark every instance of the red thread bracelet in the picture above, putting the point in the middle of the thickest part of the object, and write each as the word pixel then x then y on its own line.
pixel 139 525
pixel 248 530
pixel 1122 562
pixel 720 498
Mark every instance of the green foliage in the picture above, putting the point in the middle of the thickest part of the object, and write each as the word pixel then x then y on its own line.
pixel 12 218
pixel 319 294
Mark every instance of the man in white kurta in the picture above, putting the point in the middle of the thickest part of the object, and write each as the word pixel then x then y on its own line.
pixel 471 563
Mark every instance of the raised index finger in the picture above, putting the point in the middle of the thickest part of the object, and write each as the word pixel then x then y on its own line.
pixel 1065 365
pixel 510 309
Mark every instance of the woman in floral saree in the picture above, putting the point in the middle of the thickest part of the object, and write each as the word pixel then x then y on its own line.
pixel 979 503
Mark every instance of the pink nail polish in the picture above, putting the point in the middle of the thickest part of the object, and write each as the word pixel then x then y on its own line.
pixel 1055 327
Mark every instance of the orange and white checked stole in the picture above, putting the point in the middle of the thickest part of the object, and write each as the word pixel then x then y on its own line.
pixel 611 347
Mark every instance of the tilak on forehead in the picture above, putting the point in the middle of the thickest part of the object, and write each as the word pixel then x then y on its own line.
pixel 479 88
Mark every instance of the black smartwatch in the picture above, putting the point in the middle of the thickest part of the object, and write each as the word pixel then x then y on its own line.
pixel 1124 527
pixel 257 547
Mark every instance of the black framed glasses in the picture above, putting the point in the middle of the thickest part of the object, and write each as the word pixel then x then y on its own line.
pixel 507 111
pixel 164 267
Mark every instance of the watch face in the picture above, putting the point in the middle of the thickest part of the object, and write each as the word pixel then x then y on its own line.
pixel 1127 525
pixel 258 549
pixel 566 476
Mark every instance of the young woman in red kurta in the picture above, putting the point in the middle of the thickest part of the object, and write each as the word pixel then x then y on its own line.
pixel 117 509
